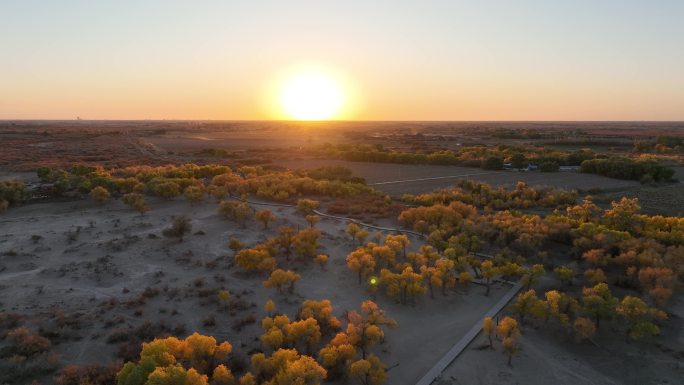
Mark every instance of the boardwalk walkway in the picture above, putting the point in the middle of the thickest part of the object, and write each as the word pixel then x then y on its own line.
pixel 324 215
pixel 455 350
pixel 462 343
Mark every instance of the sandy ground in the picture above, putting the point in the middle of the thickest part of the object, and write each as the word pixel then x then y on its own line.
pixel 548 357
pixel 88 255
pixel 385 172
pixel 679 173
pixel 22 176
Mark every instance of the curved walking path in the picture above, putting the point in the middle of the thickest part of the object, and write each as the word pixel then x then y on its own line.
pixel 352 220
pixel 467 338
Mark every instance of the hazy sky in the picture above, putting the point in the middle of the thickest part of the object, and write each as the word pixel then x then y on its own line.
pixel 397 60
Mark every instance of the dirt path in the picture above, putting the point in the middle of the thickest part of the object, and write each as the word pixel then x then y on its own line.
pixel 141 146
pixel 19 274
pixel 430 178
pixel 346 219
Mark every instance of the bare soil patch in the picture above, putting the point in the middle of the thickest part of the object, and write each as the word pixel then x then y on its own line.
pixel 113 271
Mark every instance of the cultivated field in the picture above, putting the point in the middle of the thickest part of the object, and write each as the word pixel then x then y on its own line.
pixel 397 179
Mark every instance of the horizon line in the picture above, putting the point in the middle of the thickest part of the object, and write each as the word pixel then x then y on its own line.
pixel 4 120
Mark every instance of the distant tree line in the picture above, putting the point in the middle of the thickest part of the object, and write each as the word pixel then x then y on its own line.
pixel 505 133
pixel 661 144
pixel 624 168
pixel 482 195
pixel 486 157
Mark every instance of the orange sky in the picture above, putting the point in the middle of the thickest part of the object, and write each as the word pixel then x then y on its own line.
pixel 434 60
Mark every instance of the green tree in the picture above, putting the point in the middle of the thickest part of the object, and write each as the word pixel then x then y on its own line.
pixel 181 225
pixel 100 194
pixel 493 163
pixel 519 161
pixel 307 206
pixel 238 211
pixel 532 275
pixel 265 217
pixel 368 371
pixel 195 193
pixel 235 244
pixel 305 242
pixel 549 166
pixel 361 262
pixel 525 304
pixel 356 233
pixel 508 332
pixel 136 201
pixel 488 271
pixel 488 329
pixel 279 278
pixel 365 328
pixel 639 317
pixel 312 219
pixel 565 274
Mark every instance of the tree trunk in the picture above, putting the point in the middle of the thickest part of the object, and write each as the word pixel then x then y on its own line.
pixel 363 341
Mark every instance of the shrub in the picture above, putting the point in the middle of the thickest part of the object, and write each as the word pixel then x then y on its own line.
pixel 492 163
pixel 12 192
pixel 26 343
pixel 99 194
pixel 549 166
pixel 181 225
pixel 87 375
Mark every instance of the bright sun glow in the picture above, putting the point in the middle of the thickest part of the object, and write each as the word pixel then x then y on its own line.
pixel 311 96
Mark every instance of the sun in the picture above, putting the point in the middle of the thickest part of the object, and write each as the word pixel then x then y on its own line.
pixel 311 96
